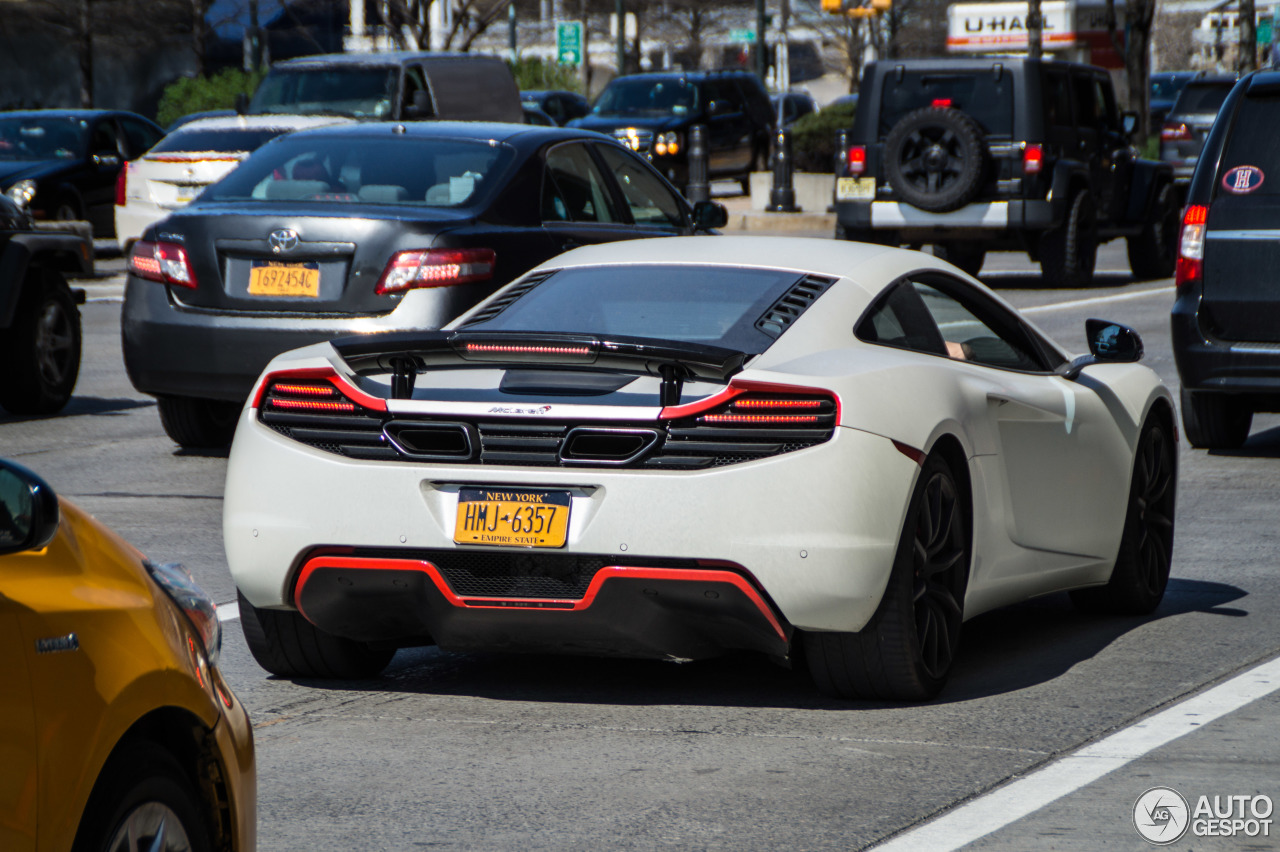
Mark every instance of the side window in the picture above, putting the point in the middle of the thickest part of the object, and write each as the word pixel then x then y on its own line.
pixel 104 139
pixel 553 107
pixel 981 336
pixel 725 95
pixel 1057 100
pixel 415 81
pixel 1086 101
pixel 574 190
pixel 901 320
pixel 140 136
pixel 1106 104
pixel 650 202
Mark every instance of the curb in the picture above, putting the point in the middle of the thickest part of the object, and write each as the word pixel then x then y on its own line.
pixel 757 220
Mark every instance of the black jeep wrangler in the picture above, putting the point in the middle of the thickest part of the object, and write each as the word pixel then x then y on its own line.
pixel 39 320
pixel 1003 154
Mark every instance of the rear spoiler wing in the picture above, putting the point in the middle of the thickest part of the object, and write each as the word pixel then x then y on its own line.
pixel 407 353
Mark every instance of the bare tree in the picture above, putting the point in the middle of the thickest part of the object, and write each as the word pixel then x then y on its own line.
pixel 1138 18
pixel 409 22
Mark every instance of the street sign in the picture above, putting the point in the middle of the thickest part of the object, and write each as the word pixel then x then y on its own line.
pixel 1264 30
pixel 569 42
pixel 749 36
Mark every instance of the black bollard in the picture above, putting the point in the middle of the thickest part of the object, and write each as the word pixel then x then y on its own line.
pixel 698 188
pixel 842 152
pixel 783 197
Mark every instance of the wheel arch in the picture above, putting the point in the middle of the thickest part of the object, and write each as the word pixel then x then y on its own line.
pixel 952 451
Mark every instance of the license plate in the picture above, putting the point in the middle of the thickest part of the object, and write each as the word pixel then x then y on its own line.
pixel 855 189
pixel 267 278
pixel 186 193
pixel 512 517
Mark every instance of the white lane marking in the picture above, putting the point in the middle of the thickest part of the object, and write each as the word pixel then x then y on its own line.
pixel 1060 778
pixel 1097 300
pixel 229 611
pixel 104 299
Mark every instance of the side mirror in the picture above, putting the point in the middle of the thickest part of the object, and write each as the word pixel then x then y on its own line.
pixel 419 108
pixel 242 103
pixel 1129 121
pixel 709 215
pixel 1109 343
pixel 28 510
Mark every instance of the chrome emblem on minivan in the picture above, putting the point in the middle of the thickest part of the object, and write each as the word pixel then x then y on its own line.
pixel 283 240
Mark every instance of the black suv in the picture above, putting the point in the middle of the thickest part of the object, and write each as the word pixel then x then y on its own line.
pixel 1226 317
pixel 652 114
pixel 1003 154
pixel 39 320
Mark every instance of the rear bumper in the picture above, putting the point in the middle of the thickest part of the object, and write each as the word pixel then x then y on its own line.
pixel 1208 364
pixel 664 613
pixel 910 224
pixel 170 349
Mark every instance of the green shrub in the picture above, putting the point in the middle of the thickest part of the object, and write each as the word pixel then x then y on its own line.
pixel 813 138
pixel 197 94
pixel 533 72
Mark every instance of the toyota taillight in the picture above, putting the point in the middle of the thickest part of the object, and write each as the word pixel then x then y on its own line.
pixel 164 262
pixel 1190 267
pixel 1032 159
pixel 1175 132
pixel 856 160
pixel 418 268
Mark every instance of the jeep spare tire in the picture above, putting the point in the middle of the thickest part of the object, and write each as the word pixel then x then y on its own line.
pixel 935 159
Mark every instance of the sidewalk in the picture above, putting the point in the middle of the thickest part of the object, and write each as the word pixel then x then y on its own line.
pixel 743 218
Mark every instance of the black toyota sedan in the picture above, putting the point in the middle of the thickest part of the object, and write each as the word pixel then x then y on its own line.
pixel 366 228
pixel 63 164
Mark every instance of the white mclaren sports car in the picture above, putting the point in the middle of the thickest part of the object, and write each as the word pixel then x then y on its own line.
pixel 678 448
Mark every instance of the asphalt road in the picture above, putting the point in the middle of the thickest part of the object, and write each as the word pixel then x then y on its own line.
pixel 491 752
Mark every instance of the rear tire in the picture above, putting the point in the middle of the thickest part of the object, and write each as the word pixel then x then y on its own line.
pixel 1215 421
pixel 1154 252
pixel 968 258
pixel 1068 253
pixel 1141 572
pixel 198 423
pixel 40 351
pixel 141 797
pixel 287 645
pixel 905 652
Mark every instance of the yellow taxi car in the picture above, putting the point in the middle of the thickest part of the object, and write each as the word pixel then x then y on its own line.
pixel 117 731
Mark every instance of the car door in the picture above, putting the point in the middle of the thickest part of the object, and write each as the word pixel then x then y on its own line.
pixel 654 208
pixel 728 129
pixel 18 780
pixel 579 206
pixel 105 159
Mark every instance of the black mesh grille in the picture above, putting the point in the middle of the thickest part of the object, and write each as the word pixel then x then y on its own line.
pixel 734 433
pixel 522 574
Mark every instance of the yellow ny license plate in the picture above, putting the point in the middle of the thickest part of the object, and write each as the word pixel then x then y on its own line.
pixel 284 279
pixel 512 517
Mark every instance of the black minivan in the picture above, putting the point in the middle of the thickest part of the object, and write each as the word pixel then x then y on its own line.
pixel 1226 317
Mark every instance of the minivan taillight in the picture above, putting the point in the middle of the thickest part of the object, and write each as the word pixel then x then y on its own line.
pixel 1190 267
pixel 122 180
pixel 418 268
pixel 164 262
pixel 856 160
pixel 1032 159
pixel 1175 132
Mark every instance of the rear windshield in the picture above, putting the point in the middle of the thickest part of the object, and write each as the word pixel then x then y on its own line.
pixel 230 140
pixel 1166 88
pixel 386 170
pixel 710 305
pixel 1199 98
pixel 1252 142
pixel 357 92
pixel 987 100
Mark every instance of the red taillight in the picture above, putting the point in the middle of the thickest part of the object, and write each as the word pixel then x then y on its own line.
pixel 941 103
pixel 1175 133
pixel 514 349
pixel 122 181
pixel 311 404
pixel 755 408
pixel 1032 159
pixel 856 160
pixel 411 270
pixel 164 262
pixel 1190 268
pixel 318 389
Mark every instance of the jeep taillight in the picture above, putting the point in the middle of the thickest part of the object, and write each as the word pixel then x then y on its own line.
pixel 1175 132
pixel 164 262
pixel 855 160
pixel 122 181
pixel 411 270
pixel 1032 159
pixel 1190 267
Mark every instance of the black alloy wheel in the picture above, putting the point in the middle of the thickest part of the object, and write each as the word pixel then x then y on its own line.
pixel 935 159
pixel 1215 421
pixel 1141 572
pixel 906 651
pixel 968 257
pixel 1153 253
pixel 1069 252
pixel 41 349
pixel 198 423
